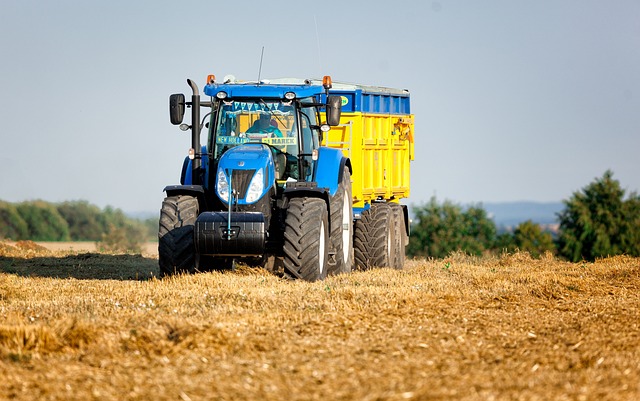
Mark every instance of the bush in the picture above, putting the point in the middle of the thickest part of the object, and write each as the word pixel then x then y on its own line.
pixel 444 228
pixel 124 234
pixel 123 239
pixel 84 219
pixel 43 221
pixel 75 221
pixel 12 225
pixel 529 237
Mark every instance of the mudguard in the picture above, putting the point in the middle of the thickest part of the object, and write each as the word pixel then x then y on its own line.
pixel 196 191
pixel 329 168
pixel 186 177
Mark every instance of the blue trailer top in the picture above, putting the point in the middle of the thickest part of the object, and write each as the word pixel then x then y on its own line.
pixel 363 98
pixel 355 98
pixel 366 102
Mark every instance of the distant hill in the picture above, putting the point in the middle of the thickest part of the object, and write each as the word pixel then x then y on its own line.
pixel 510 214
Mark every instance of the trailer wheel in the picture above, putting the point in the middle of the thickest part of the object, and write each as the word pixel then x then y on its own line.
pixel 342 226
pixel 361 235
pixel 306 238
pixel 400 236
pixel 374 241
pixel 176 248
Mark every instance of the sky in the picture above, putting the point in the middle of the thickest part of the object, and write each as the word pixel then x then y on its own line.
pixel 513 100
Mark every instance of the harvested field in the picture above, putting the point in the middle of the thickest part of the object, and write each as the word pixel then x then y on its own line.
pixel 89 326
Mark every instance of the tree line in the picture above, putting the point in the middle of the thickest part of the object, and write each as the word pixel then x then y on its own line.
pixel 597 221
pixel 74 221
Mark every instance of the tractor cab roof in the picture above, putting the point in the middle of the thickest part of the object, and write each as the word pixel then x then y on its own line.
pixel 274 89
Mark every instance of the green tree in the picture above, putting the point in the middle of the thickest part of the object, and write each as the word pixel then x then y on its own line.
pixel 529 237
pixel 444 228
pixel 12 225
pixel 44 221
pixel 505 242
pixel 598 221
pixel 480 231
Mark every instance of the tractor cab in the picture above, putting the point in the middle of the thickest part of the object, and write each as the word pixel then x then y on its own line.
pixel 290 129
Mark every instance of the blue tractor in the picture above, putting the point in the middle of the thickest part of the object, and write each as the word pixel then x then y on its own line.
pixel 261 190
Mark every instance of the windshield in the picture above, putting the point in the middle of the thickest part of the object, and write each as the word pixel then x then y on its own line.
pixel 272 123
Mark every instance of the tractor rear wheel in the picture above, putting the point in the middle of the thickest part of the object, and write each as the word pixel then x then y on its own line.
pixel 342 226
pixel 176 248
pixel 306 238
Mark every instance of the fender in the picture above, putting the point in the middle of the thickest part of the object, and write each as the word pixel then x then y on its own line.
pixel 307 189
pixel 407 223
pixel 197 191
pixel 186 177
pixel 329 168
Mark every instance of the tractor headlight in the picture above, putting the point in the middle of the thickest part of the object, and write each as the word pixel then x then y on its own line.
pixel 222 185
pixel 256 186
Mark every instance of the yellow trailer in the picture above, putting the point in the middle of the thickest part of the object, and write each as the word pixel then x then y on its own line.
pixel 378 139
pixel 376 134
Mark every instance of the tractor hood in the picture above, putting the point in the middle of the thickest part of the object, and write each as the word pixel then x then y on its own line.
pixel 245 174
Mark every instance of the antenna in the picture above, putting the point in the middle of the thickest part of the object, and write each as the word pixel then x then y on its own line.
pixel 260 70
pixel 318 40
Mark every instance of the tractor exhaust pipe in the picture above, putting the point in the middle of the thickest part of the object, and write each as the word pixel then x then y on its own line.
pixel 195 132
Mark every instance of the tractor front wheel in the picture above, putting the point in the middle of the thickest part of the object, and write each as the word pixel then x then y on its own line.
pixel 176 248
pixel 306 238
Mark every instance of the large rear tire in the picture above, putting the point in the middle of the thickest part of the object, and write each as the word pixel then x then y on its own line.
pixel 342 226
pixel 374 242
pixel 361 239
pixel 176 248
pixel 306 238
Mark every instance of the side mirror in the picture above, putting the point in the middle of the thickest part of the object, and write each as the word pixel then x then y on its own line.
pixel 334 108
pixel 176 108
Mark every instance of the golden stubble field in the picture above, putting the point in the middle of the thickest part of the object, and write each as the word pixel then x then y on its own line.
pixel 78 326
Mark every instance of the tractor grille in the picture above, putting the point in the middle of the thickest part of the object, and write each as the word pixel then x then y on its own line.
pixel 240 180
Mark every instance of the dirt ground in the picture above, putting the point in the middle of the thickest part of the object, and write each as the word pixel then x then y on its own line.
pixel 77 325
